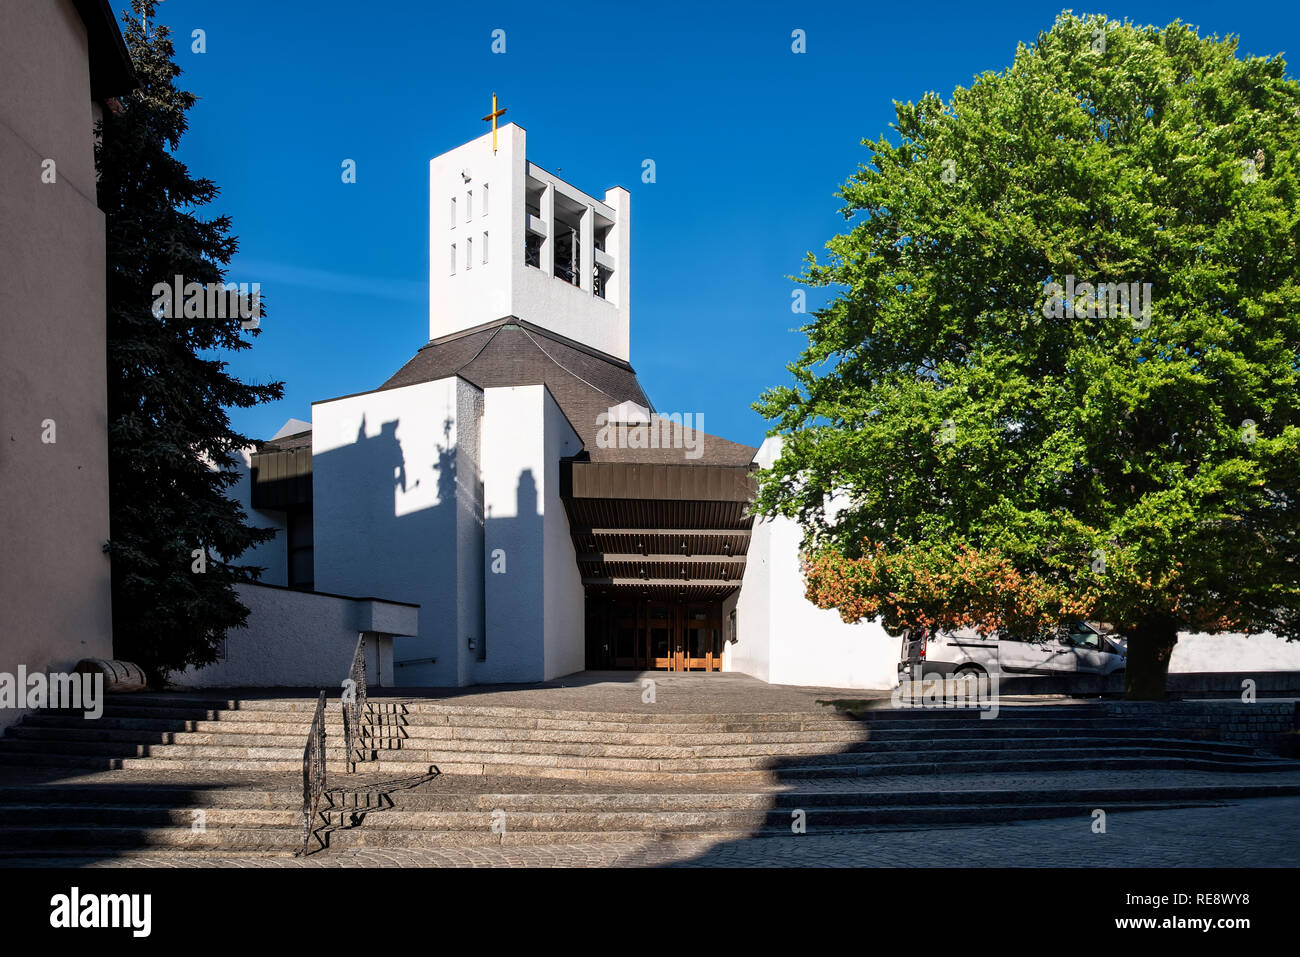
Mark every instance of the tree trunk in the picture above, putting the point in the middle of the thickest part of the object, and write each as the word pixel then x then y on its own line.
pixel 1150 646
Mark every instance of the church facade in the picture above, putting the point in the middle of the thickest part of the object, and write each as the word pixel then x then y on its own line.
pixel 514 480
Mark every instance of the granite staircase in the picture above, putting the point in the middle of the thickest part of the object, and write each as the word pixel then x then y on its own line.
pixel 202 774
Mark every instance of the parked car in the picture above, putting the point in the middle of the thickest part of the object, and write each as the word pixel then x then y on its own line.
pixel 1076 648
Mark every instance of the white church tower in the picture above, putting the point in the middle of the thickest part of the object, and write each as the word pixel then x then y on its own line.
pixel 509 239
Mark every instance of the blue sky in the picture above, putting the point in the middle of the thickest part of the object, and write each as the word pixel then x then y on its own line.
pixel 750 142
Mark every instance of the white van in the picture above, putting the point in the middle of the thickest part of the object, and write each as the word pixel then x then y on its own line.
pixel 1076 648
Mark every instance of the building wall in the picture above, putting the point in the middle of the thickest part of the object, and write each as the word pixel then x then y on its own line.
pixel 784 638
pixel 535 605
pixel 565 599
pixel 469 530
pixel 752 652
pixel 1234 652
pixel 54 576
pixel 479 291
pixel 298 639
pixel 273 556
pixel 385 513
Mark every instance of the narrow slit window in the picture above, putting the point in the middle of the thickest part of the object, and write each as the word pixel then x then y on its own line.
pixel 485 247
pixel 469 205
pixel 453 212
pixel 469 252
pixel 453 259
pixel 485 198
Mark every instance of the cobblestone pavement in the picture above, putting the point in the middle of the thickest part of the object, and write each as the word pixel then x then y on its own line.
pixel 1255 833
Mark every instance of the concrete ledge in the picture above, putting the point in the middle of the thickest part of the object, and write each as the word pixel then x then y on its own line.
pixel 303 639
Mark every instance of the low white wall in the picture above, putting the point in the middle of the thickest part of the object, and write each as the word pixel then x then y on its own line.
pixel 1234 652
pixel 299 639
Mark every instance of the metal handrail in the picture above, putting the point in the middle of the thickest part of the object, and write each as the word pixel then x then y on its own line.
pixel 354 702
pixel 313 772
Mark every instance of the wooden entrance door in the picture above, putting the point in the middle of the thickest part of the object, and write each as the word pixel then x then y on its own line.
pixel 701 637
pixel 684 637
pixel 662 629
pixel 665 635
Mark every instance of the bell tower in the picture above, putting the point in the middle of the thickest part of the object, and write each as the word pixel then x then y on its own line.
pixel 508 238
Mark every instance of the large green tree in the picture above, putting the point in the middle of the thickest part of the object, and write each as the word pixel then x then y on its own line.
pixel 976 438
pixel 170 441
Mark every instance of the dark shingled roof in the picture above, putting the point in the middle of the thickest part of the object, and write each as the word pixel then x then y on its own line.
pixel 584 382
pixel 299 440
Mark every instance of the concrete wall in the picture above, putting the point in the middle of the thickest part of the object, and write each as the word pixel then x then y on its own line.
pixel 478 291
pixel 752 653
pixel 297 639
pixel 482 292
pixel 784 638
pixel 1234 652
pixel 534 618
pixel 469 531
pixel 385 512
pixel 565 600
pixel 54 576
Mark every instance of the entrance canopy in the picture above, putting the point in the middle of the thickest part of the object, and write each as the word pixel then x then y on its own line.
pixel 654 530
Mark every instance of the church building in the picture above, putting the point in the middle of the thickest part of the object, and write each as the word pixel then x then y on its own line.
pixel 514 480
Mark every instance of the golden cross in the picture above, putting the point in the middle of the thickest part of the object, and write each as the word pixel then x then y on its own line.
pixel 493 117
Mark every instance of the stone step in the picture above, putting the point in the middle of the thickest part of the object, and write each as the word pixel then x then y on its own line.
pixel 416 831
pixel 676 772
pixel 149 814
pixel 235 734
pixel 184 719
pixel 142 730
pixel 307 706
pixel 108 791
pixel 475 824
pixel 614 757
pixel 225 745
pixel 95 837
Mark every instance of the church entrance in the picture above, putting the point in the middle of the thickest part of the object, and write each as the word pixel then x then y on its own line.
pixel 646 634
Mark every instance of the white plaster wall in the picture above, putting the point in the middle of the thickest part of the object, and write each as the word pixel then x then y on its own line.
pixel 481 293
pixel 752 653
pixel 469 527
pixel 814 646
pixel 534 618
pixel 1234 652
pixel 784 638
pixel 297 639
pixel 565 600
pixel 514 490
pixel 385 513
pixel 564 308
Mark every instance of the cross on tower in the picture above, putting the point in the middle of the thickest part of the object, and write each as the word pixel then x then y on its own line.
pixel 493 118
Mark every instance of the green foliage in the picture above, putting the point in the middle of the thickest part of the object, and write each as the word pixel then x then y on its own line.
pixel 1138 475
pixel 170 441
